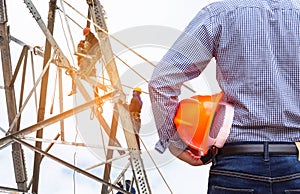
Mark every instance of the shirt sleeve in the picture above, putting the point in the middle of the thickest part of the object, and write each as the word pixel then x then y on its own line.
pixel 185 60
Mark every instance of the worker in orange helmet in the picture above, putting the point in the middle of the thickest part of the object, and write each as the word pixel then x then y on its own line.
pixel 135 107
pixel 90 38
pixel 90 42
pixel 83 48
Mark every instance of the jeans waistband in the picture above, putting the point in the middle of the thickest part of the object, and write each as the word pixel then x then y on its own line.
pixel 258 149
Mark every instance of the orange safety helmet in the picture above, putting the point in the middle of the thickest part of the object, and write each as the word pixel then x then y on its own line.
pixel 86 31
pixel 203 121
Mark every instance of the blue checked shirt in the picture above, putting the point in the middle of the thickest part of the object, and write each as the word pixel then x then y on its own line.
pixel 256 45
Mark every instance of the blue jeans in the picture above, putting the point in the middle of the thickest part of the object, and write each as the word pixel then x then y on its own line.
pixel 256 174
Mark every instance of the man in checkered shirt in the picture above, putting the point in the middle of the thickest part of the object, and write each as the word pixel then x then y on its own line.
pixel 256 45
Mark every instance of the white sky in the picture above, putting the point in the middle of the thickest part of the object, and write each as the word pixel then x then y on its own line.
pixel 122 15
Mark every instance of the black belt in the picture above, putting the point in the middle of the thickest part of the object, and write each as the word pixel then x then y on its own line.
pixel 258 149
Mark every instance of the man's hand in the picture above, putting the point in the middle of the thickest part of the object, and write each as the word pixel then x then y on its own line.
pixel 186 156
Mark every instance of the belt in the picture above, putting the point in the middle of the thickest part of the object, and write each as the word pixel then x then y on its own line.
pixel 258 149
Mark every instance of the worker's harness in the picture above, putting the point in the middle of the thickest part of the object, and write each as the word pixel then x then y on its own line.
pixel 135 115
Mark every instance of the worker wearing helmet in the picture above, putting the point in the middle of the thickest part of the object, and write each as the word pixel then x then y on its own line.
pixel 90 39
pixel 91 47
pixel 84 48
pixel 135 107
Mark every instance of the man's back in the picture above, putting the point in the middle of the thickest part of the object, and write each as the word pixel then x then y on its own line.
pixel 257 47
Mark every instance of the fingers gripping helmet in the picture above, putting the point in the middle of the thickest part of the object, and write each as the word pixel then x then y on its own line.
pixel 203 121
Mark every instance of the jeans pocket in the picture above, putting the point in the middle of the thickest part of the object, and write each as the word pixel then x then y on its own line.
pixel 294 191
pixel 227 190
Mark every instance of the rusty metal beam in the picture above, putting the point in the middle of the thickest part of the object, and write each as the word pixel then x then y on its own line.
pixel 17 152
pixel 43 97
pixel 46 150
pixel 23 53
pixel 109 155
pixel 22 84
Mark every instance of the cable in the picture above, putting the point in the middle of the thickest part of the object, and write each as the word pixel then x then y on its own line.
pixel 68 46
pixel 74 173
pixel 68 26
pixel 105 32
pixel 132 69
pixel 71 19
pixel 102 71
pixel 75 153
pixel 54 91
pixel 108 161
pixel 74 143
pixel 102 139
pixel 33 80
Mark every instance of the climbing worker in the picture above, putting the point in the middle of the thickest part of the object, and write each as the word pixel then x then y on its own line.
pixel 84 51
pixel 90 42
pixel 85 45
pixel 135 107
pixel 90 39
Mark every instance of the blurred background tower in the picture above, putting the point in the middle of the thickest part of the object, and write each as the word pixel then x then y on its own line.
pixel 109 90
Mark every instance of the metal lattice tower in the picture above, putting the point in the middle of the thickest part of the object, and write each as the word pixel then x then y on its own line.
pixel 52 55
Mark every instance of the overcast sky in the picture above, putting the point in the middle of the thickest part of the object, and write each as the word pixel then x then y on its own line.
pixel 124 18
